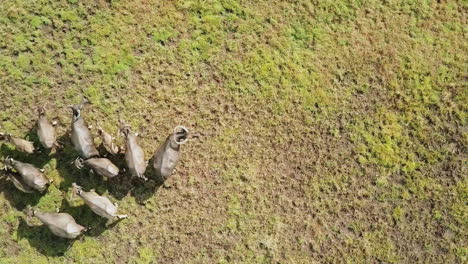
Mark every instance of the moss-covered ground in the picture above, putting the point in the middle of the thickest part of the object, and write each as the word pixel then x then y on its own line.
pixel 334 131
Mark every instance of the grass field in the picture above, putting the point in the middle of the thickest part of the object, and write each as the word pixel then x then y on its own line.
pixel 334 131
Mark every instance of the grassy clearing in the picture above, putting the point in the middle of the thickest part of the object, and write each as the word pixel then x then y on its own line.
pixel 334 131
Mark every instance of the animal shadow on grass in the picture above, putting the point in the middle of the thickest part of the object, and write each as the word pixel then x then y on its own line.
pixel 42 239
pixel 41 156
pixel 71 174
pixel 120 185
pixel 17 199
pixel 65 167
pixel 124 184
pixel 84 216
pixel 145 190
pixel 32 136
pixel 38 159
